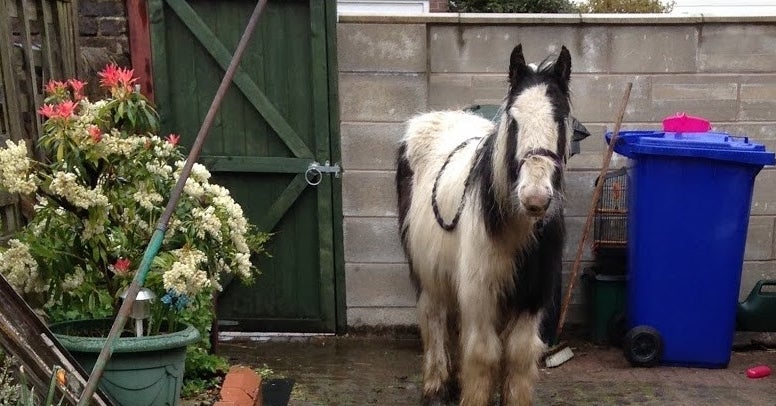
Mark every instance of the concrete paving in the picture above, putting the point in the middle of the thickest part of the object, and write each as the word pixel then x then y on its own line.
pixel 386 371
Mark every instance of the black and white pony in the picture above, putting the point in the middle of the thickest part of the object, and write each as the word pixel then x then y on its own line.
pixel 481 222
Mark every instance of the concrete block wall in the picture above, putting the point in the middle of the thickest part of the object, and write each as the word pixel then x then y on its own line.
pixel 723 69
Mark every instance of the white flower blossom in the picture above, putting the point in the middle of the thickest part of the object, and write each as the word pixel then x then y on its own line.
pixel 162 148
pixel 242 265
pixel 20 269
pixel 91 229
pixel 74 280
pixel 236 221
pixel 193 188
pixel 65 184
pixel 184 276
pixel 148 200
pixel 116 144
pixel 160 169
pixel 197 181
pixel 15 173
pixel 90 112
pixel 198 171
pixel 207 222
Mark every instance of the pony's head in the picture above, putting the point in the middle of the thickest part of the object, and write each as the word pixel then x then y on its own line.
pixel 536 123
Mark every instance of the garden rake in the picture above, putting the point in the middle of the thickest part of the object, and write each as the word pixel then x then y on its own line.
pixel 561 353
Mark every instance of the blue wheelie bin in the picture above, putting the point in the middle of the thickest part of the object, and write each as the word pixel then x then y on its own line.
pixel 690 196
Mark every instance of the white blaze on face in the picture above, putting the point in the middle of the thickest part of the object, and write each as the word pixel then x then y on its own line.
pixel 537 129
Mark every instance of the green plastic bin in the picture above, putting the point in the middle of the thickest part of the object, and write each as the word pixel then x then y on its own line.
pixel 606 299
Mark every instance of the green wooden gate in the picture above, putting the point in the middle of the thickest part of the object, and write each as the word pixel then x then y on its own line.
pixel 278 118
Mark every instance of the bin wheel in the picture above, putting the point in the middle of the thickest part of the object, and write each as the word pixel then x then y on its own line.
pixel 643 346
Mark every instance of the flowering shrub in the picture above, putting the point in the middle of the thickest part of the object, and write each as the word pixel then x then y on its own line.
pixel 98 192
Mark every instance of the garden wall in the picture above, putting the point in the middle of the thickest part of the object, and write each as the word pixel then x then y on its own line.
pixel 393 67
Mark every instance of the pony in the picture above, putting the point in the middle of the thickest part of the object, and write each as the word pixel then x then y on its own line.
pixel 481 223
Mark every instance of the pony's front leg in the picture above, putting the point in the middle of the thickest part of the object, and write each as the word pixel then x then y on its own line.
pixel 480 344
pixel 437 380
pixel 522 349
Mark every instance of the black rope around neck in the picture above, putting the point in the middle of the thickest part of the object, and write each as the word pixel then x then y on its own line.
pixel 454 223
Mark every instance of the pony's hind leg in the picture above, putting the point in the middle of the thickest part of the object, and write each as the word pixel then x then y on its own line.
pixel 437 379
pixel 522 350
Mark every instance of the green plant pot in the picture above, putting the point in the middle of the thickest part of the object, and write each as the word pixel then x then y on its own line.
pixel 143 371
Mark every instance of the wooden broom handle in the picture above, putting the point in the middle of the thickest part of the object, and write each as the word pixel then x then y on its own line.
pixel 593 204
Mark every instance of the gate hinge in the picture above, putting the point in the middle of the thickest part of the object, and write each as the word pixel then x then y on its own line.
pixel 315 170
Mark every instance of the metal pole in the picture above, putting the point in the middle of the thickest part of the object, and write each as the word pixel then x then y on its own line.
pixel 161 226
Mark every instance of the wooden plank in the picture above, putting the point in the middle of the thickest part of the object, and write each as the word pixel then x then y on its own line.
pixel 241 79
pixel 76 38
pixel 32 343
pixel 255 164
pixel 49 45
pixel 64 24
pixel 336 156
pixel 13 123
pixel 321 117
pixel 32 78
pixel 68 26
pixel 255 128
pixel 282 203
pixel 8 198
pixel 161 76
pixel 202 87
pixel 140 45
pixel 228 25
pixel 277 58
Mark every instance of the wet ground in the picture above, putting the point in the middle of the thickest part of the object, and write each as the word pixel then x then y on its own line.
pixel 386 371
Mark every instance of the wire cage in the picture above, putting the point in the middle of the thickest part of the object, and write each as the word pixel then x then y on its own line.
pixel 610 232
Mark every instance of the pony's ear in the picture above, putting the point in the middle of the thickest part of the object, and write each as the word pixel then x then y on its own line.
pixel 563 66
pixel 517 66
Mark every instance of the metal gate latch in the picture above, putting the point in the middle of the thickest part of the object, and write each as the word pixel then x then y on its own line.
pixel 315 170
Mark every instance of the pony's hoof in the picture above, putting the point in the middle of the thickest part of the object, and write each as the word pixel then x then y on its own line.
pixel 435 401
pixel 438 399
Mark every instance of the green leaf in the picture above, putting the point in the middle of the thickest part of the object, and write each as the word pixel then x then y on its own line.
pixel 151 119
pixel 120 110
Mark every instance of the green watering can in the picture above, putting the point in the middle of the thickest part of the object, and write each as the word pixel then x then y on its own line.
pixel 758 311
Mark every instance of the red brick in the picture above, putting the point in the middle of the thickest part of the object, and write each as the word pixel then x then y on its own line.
pixel 438 6
pixel 238 396
pixel 242 377
pixel 241 387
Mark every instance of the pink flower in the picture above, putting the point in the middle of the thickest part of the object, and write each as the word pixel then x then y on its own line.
pixel 121 267
pixel 173 139
pixel 65 109
pixel 55 86
pixel 77 87
pixel 113 77
pixel 95 133
pixel 47 110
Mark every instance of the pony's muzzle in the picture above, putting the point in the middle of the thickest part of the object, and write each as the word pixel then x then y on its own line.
pixel 536 205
